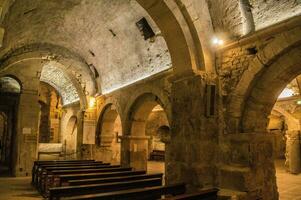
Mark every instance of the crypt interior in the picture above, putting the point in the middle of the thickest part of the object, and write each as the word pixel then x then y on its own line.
pixel 207 92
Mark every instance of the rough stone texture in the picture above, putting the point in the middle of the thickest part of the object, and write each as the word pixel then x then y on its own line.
pixel 194 134
pixel 156 119
pixel 62 83
pixel 107 38
pixel 247 164
pixel 227 18
pixel 8 84
pixel 268 12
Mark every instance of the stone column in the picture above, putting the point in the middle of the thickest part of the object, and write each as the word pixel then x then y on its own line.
pixel 247 166
pixel 193 136
pixel 293 155
pixel 135 152
pixel 80 134
pixel 27 138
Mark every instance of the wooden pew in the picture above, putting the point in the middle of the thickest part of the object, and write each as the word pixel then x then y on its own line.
pixel 54 180
pixel 57 193
pixel 40 168
pixel 157 155
pixel 113 179
pixel 150 193
pixel 56 162
pixel 209 194
pixel 46 177
pixel 64 179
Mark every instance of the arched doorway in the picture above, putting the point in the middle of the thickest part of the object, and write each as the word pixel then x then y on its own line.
pixel 284 124
pixel 148 142
pixel 108 136
pixel 9 101
pixel 259 100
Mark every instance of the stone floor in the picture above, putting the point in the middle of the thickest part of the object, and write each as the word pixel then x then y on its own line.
pixel 289 185
pixel 17 189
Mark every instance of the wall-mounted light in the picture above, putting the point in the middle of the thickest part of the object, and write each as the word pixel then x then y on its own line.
pixel 299 102
pixel 92 102
pixel 218 42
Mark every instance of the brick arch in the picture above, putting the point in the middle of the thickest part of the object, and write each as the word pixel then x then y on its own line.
pixel 265 58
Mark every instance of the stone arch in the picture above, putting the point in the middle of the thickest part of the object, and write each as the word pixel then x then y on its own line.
pixel 266 88
pixel 264 59
pixel 136 143
pixel 292 122
pixel 187 57
pixel 108 134
pixel 66 60
pixel 156 93
pixel 10 83
pixel 140 112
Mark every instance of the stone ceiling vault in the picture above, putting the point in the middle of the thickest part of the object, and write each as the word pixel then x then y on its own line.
pixel 56 77
pixel 103 33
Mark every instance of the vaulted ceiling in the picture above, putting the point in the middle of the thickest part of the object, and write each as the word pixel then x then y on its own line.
pixel 103 33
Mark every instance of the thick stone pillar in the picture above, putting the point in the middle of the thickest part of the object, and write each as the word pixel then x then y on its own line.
pixel 193 141
pixel 293 154
pixel 103 150
pixel 247 165
pixel 27 138
pixel 135 152
pixel 80 134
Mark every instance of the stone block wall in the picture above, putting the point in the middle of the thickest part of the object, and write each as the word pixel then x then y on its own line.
pixel 269 12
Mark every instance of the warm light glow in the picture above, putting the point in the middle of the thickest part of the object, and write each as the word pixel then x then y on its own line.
pixel 287 93
pixel 217 41
pixel 299 102
pixel 92 102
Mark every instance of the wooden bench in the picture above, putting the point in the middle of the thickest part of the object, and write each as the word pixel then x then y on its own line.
pixel 57 193
pixel 46 177
pixel 64 179
pixel 114 179
pixel 42 169
pixel 37 164
pixel 157 155
pixel 150 193
pixel 209 194
pixel 53 180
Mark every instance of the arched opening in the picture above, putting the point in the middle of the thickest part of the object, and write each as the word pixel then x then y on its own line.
pixel 49 141
pixel 50 113
pixel 70 141
pixel 9 101
pixel 272 107
pixel 108 136
pixel 149 134
pixel 284 124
